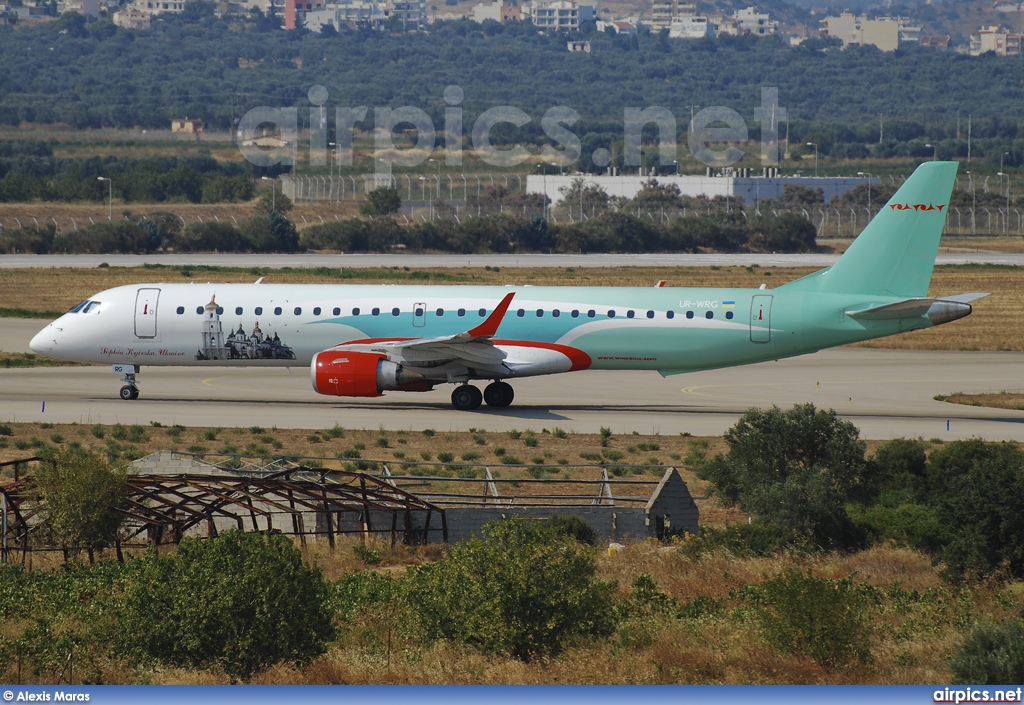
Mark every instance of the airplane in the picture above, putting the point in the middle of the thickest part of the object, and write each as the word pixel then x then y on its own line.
pixel 362 341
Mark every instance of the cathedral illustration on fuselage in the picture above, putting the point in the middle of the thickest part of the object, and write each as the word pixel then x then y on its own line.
pixel 237 345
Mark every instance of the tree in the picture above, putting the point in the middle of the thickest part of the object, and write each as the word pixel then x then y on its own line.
pixel 521 590
pixel 992 654
pixel 80 494
pixel 796 469
pixel 381 201
pixel 243 601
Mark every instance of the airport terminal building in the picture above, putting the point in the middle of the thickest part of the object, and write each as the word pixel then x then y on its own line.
pixel 767 185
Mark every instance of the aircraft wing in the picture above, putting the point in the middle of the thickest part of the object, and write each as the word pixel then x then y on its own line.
pixel 472 348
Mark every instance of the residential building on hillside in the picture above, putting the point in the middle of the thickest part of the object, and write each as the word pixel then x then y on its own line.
pixel 996 40
pixel 86 8
pixel 664 12
pixel 352 14
pixel 295 11
pixel 412 14
pixel 132 19
pixel 886 33
pixel 689 27
pixel 749 21
pixel 618 27
pixel 497 11
pixel 560 16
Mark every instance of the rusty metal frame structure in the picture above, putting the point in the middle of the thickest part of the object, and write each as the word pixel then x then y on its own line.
pixel 162 508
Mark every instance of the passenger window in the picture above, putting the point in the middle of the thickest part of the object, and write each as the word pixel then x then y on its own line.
pixel 199 310
pixel 709 315
pixel 575 313
pixel 337 311
pixel 375 312
pixel 395 312
pixel 259 310
pixel 650 314
pixel 556 313
pixel 298 311
pixel 689 314
pixel 521 313
pixel 611 314
pixel 630 314
pixel 419 311
pixel 277 311
pixel 238 310
pixel 316 311
pixel 439 312
pixel 483 312
pixel 461 312
pixel 728 314
pixel 670 314
pixel 181 310
pixel 220 310
pixel 591 313
pixel 540 313
pixel 355 311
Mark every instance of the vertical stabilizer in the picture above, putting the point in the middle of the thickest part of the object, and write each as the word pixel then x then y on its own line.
pixel 895 253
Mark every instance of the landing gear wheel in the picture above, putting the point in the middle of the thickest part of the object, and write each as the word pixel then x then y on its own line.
pixel 466 397
pixel 499 394
pixel 129 392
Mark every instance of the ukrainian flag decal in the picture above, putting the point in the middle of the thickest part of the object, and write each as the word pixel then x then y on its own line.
pixel 728 304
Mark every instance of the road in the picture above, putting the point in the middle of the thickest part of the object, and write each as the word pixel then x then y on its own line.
pixel 506 261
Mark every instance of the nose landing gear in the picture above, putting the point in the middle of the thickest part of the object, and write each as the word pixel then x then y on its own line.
pixel 130 390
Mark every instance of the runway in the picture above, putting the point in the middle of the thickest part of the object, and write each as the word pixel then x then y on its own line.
pixel 885 393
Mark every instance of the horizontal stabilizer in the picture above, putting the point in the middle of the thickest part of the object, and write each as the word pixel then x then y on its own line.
pixel 939 310
pixel 908 308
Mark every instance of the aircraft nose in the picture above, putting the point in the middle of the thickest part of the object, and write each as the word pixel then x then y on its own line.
pixel 44 341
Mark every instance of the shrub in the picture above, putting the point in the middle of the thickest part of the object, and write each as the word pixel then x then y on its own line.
pixel 572 526
pixel 243 601
pixel 82 493
pixel 796 468
pixel 993 654
pixel 825 620
pixel 518 590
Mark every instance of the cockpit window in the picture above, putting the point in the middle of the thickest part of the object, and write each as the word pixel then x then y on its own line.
pixel 79 307
pixel 91 306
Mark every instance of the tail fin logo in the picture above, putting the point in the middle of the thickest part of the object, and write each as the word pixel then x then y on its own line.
pixel 916 207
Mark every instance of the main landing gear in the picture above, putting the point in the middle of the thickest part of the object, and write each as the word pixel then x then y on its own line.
pixel 130 390
pixel 466 397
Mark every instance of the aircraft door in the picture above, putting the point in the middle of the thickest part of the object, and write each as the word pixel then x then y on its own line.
pixel 761 319
pixel 419 315
pixel 145 313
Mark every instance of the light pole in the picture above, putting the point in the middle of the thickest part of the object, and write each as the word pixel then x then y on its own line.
pixel 273 192
pixel 438 176
pixel 935 151
pixel 1001 174
pixel 864 173
pixel 110 199
pixel 813 144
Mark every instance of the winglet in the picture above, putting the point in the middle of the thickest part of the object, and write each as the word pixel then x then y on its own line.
pixel 489 327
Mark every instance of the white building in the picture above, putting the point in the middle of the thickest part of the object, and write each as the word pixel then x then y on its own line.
pixel 86 8
pixel 751 189
pixel 561 15
pixel 618 27
pixel 749 21
pixel 352 14
pixel 411 13
pixel 497 11
pixel 996 40
pixel 663 12
pixel 689 27
pixel 131 19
